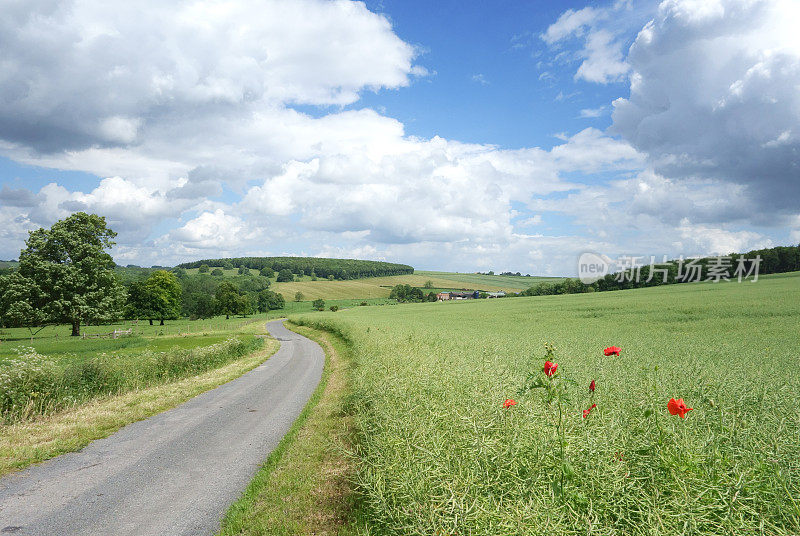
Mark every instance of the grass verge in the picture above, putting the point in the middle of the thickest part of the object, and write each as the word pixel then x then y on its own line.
pixel 23 444
pixel 303 488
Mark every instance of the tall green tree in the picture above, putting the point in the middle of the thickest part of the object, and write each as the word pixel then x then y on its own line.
pixel 230 300
pixel 66 274
pixel 20 300
pixel 267 300
pixel 139 301
pixel 164 292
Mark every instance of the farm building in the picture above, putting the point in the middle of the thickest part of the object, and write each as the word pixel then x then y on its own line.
pixel 500 294
pixel 442 296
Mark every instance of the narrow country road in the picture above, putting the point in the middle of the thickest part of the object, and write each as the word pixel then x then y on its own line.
pixel 177 472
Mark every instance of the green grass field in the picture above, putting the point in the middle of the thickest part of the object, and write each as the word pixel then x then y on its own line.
pixel 437 454
pixel 55 342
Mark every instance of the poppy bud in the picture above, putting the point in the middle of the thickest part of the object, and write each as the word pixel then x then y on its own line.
pixel 591 386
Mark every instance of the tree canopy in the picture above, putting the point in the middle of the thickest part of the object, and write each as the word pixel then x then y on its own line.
pixel 285 275
pixel 230 300
pixel 65 275
pixel 162 290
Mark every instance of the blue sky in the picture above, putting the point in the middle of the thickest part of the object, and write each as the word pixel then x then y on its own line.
pixel 449 135
pixel 487 86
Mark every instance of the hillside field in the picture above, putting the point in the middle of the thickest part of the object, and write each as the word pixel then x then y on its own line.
pixel 380 287
pixel 437 453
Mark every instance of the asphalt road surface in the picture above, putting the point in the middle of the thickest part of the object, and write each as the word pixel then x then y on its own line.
pixel 177 472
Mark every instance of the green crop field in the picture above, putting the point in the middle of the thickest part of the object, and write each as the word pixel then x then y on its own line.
pixel 437 453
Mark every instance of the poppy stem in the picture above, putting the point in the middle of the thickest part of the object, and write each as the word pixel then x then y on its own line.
pixel 561 440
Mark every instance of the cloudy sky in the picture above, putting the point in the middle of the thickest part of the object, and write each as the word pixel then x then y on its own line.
pixel 447 135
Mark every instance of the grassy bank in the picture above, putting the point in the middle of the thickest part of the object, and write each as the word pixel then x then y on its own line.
pixel 438 454
pixel 303 486
pixel 33 384
pixel 22 444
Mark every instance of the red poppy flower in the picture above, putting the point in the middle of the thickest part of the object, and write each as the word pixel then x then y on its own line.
pixel 550 368
pixel 586 412
pixel 508 403
pixel 678 407
pixel 612 350
pixel 591 386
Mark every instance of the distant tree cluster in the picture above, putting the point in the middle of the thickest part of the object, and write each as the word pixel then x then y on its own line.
pixel 491 272
pixel 208 295
pixel 312 266
pixel 409 294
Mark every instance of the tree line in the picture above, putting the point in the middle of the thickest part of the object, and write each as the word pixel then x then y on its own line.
pixel 774 260
pixel 312 266
pixel 65 276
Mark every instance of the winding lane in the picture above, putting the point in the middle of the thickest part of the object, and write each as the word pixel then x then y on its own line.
pixel 177 472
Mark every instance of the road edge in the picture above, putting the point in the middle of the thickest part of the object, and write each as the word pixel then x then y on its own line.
pixel 239 519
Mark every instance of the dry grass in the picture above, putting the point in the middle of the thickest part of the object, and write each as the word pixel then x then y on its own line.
pixel 303 488
pixel 26 443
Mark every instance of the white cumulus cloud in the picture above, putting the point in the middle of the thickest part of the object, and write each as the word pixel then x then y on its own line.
pixel 715 92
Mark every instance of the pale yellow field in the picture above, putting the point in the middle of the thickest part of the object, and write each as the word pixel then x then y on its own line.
pixel 376 287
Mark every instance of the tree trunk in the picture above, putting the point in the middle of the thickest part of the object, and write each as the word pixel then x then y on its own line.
pixel 151 321
pixel 76 328
pixel 227 317
pixel 162 322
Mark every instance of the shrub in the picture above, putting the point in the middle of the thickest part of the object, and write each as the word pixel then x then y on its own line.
pixel 217 272
pixel 285 276
pixel 334 308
